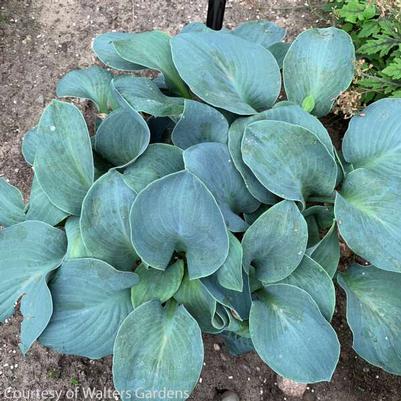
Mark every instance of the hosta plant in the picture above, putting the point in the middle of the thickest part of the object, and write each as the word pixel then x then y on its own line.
pixel 211 199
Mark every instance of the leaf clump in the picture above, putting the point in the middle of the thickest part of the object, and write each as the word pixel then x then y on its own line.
pixel 200 203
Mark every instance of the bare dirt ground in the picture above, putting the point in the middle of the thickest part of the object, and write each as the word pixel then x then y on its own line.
pixel 40 40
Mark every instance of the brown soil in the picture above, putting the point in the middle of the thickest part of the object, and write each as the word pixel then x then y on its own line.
pixel 39 41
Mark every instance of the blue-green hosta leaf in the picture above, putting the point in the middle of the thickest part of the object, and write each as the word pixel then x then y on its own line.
pixel 76 247
pixel 289 160
pixel 318 218
pixel 211 162
pixel 104 222
pixel 237 75
pixel 143 95
pixel 122 137
pixel 374 314
pixel 312 278
pixel 279 51
pixel 158 161
pixel 235 135
pixel 11 204
pixel 250 218
pixel 93 83
pixel 40 208
pixel 103 47
pixel 275 244
pixel 313 231
pixel 91 299
pixel 320 65
pixel 229 274
pixel 195 27
pixel 200 304
pixel 263 32
pixel 327 251
pixel 160 82
pixel 185 218
pixel 281 112
pixel 294 114
pixel 237 345
pixel 29 144
pixel 157 284
pixel 324 215
pixel 368 214
pixel 152 50
pixel 199 123
pixel 64 160
pixel 151 353
pixel 373 139
pixel 292 336
pixel 29 251
pixel 236 301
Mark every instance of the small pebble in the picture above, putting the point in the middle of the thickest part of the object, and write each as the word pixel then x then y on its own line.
pixel 291 388
pixel 230 396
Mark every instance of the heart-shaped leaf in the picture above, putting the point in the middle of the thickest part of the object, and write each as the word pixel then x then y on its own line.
pixel 275 244
pixel 319 64
pixel 103 47
pixel 157 284
pixel 151 353
pixel 29 251
pixel 292 336
pixel 185 218
pixel 89 296
pixel 289 160
pixel 104 223
pixel 93 83
pixel 122 137
pixel 11 204
pixel 373 139
pixel 64 156
pixel 229 79
pixel 211 162
pixel 158 161
pixel 152 50
pixel 143 95
pixel 367 213
pixel 281 112
pixel 374 314
pixel 199 123
pixel 312 278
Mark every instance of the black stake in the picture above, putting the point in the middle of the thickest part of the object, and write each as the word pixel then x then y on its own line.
pixel 215 14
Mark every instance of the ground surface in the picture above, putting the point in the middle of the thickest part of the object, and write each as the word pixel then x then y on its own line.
pixel 39 41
